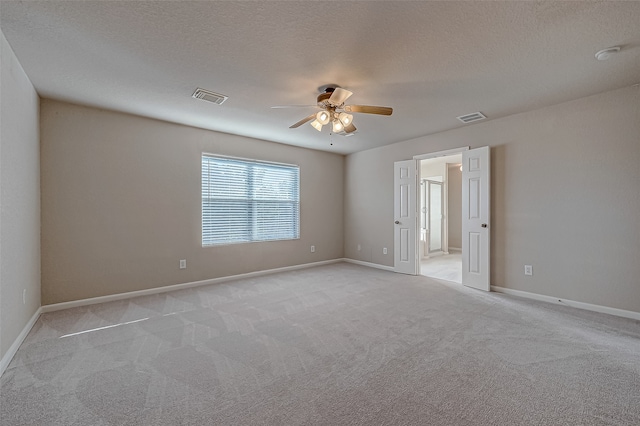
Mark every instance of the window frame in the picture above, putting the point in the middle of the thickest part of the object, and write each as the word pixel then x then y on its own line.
pixel 251 201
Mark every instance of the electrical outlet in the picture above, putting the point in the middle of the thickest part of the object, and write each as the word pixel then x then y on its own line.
pixel 313 249
pixel 183 264
pixel 359 248
pixel 384 250
pixel 528 270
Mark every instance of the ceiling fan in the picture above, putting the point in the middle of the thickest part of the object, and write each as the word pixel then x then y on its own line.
pixel 334 111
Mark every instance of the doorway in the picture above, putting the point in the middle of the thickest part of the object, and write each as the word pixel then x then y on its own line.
pixel 441 218
pixel 475 213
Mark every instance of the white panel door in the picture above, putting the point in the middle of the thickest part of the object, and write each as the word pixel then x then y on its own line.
pixel 475 218
pixel 405 234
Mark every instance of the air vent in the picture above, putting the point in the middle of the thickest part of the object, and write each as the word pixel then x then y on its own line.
pixel 209 96
pixel 469 118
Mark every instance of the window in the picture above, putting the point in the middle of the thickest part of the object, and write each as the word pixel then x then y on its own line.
pixel 246 200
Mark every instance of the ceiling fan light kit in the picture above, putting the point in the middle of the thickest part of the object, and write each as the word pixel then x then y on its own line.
pixel 316 125
pixel 345 118
pixel 323 117
pixel 334 111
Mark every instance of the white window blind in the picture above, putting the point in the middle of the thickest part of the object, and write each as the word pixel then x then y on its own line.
pixel 245 200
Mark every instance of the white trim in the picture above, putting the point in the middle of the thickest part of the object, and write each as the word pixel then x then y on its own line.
pixel 8 356
pixel 249 160
pixel 417 195
pixel 6 359
pixel 369 264
pixel 580 305
pixel 441 153
pixel 157 290
pixel 455 249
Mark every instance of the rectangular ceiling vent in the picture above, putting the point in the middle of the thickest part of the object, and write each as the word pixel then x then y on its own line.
pixel 207 95
pixel 470 118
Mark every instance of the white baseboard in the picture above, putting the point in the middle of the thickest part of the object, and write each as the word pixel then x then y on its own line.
pixel 581 305
pixel 157 290
pixel 6 359
pixel 8 356
pixel 455 249
pixel 369 264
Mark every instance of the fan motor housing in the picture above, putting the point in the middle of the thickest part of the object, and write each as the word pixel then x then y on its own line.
pixel 323 97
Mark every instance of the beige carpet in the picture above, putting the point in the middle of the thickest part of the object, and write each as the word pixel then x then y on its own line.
pixel 333 345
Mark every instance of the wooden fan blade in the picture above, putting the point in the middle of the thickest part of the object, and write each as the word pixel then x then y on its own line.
pixel 369 109
pixel 350 128
pixel 304 120
pixel 338 96
pixel 295 106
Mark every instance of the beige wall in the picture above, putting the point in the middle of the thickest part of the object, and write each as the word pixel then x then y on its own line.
pixel 565 197
pixel 121 204
pixel 454 197
pixel 19 199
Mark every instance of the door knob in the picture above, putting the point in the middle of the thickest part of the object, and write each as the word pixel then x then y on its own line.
pixel 484 225
pixel 397 222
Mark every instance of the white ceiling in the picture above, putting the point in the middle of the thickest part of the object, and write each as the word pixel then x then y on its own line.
pixel 430 61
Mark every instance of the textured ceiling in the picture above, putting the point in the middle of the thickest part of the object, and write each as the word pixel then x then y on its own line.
pixel 430 61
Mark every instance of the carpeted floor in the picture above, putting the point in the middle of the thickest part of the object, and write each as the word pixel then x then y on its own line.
pixel 333 345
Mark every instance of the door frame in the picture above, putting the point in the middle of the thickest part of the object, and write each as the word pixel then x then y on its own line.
pixel 444 153
pixel 427 156
pixel 416 193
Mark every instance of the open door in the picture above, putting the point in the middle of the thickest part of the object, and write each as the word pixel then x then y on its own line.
pixel 475 218
pixel 405 234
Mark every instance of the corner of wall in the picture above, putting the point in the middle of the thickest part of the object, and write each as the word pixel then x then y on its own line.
pixel 20 200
